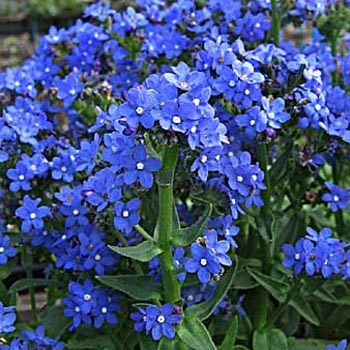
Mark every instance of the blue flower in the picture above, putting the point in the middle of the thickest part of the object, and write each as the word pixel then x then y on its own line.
pixel 38 340
pixel 341 346
pixel 178 116
pixel 183 78
pixel 140 167
pixel 203 262
pixel 126 215
pixel 160 322
pixel 339 198
pixel 219 248
pixel 20 177
pixel 253 121
pixel 68 88
pixel 7 318
pixel 252 27
pixel 32 216
pixel 274 112
pixel 6 249
pixel 140 107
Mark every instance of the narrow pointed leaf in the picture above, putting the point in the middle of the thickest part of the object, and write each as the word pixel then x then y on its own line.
pixel 175 344
pixel 193 333
pixel 269 339
pixel 143 252
pixel 27 283
pixel 139 287
pixel 278 289
pixel 304 309
pixel 205 309
pixel 186 236
pixel 230 338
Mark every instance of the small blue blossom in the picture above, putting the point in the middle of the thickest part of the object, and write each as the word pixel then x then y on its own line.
pixel 339 198
pixel 6 249
pixel 341 346
pixel 32 216
pixel 160 322
pixel 126 215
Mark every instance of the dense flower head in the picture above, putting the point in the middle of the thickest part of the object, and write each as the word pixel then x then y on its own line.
pixel 86 121
pixel 317 253
pixel 89 305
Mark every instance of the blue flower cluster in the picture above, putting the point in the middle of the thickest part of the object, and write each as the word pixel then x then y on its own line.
pixel 34 340
pixel 318 254
pixel 89 305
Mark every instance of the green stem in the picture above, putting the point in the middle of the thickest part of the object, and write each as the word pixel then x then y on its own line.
pixel 27 261
pixel 334 48
pixel 144 233
pixel 166 200
pixel 275 23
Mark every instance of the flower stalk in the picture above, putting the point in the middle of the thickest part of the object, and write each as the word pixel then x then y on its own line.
pixel 165 223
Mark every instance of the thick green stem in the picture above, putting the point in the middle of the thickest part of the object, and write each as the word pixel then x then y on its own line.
pixel 166 200
pixel 275 23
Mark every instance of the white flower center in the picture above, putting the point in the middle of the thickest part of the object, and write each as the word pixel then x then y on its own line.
pixel 239 178
pixel 257 25
pixel 204 158
pixel 140 166
pixel 203 262
pixel 190 297
pixel 75 212
pixel 318 107
pixel 32 215
pixel 160 319
pixel 231 83
pixel 193 129
pixel 254 177
pixel 184 85
pixel 139 110
pixel 252 122
pixel 233 201
pixel 87 297
pixel 335 198
pixel 21 177
pixel 97 257
pixel 247 92
pixel 125 213
pixel 176 119
pixel 104 310
pixel 72 91
pixel 77 309
pixel 63 169
pixel 196 101
pixel 2 249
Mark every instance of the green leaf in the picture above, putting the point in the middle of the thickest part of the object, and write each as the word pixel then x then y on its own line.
pixel 140 287
pixel 175 344
pixel 6 270
pixel 4 297
pixel 193 333
pixel 230 338
pixel 54 321
pixel 240 347
pixel 205 309
pixel 186 236
pixel 278 168
pixel 304 309
pixel 275 287
pixel 269 339
pixel 27 283
pixel 144 251
pixel 244 281
pixel 307 344
pixel 102 342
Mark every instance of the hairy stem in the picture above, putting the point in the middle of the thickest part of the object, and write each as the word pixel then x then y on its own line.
pixel 166 200
pixel 275 23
